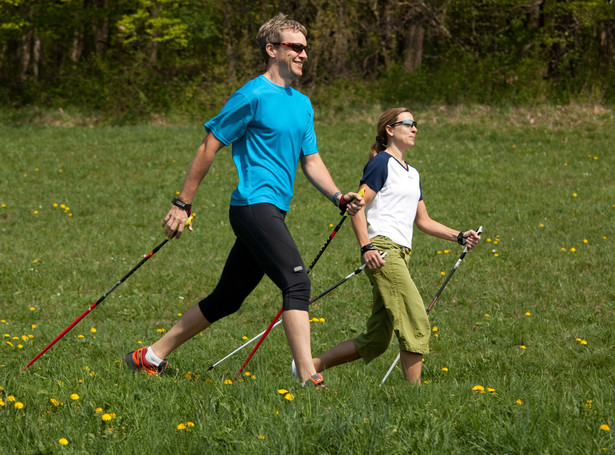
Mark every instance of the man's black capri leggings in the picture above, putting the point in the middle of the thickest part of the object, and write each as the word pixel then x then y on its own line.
pixel 263 246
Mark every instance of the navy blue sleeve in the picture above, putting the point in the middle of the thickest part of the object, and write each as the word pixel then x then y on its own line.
pixel 376 172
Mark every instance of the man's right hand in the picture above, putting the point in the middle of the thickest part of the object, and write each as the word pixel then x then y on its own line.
pixel 175 222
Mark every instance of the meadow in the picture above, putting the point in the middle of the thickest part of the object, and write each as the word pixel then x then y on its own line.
pixel 521 349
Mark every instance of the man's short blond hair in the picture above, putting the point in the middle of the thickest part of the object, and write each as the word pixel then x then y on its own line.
pixel 270 32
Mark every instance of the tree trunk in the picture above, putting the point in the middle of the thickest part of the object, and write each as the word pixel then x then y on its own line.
pixel 25 56
pixel 414 47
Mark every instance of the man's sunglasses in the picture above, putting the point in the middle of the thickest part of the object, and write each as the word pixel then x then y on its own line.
pixel 410 123
pixel 297 47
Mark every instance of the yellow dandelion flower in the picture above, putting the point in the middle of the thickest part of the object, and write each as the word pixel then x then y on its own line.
pixel 496 255
pixel 444 369
pixel 583 342
pixel 181 426
pixel 490 390
pixel 1 402
pixel 99 410
pixel 435 329
pixel 244 337
pixel 447 251
pixel 588 404
pixel 523 347
pixel 573 250
pixel 106 417
pixel 442 273
pixel 9 343
pixel 63 441
pixel 487 315
pixel 247 373
pixel 74 396
pixel 563 249
pixel 605 427
pixel 55 204
pixel 585 240
pixel 190 424
pixel 541 225
pixel 282 391
pixel 322 319
pixel 366 420
pixel 32 308
pixel 527 313
pixel 18 405
pixel 330 224
pixel 80 336
pixel 519 402
pixel 478 388
pixel 93 330
pixel 574 195
pixel 11 398
pixel 262 436
pixel 228 381
pixel 160 330
pixel 289 397
pixel 20 346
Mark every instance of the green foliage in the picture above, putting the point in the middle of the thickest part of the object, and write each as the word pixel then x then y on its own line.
pixel 150 57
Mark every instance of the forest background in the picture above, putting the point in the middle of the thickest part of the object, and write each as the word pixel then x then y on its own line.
pixel 129 61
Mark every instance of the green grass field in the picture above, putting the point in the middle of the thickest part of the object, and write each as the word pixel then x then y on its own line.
pixel 521 357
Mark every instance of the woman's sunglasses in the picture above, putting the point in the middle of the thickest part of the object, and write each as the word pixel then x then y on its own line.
pixel 410 123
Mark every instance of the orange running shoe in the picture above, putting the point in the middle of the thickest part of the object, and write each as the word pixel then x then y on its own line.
pixel 136 361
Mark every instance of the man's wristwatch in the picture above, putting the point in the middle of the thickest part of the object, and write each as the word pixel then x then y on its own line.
pixel 461 240
pixel 182 205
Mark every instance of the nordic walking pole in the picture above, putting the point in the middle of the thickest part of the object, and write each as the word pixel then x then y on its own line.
pixel 433 302
pixel 333 233
pixel 104 296
pixel 274 323
pixel 322 250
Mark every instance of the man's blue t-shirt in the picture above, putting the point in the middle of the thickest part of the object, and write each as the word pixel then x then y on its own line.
pixel 270 128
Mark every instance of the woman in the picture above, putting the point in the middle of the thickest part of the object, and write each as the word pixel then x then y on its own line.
pixel 394 202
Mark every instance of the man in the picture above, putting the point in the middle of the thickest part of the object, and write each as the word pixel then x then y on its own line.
pixel 271 127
